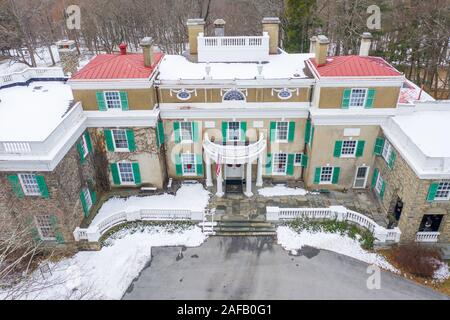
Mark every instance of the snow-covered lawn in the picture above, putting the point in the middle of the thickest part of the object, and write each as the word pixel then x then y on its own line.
pixel 106 274
pixel 188 197
pixel 442 273
pixel 281 190
pixel 342 244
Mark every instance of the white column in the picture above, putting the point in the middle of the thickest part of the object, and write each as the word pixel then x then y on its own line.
pixel 219 192
pixel 209 182
pixel 248 180
pixel 259 180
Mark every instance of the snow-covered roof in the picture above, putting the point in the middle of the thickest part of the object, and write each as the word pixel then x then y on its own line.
pixel 279 66
pixel 31 113
pixel 410 92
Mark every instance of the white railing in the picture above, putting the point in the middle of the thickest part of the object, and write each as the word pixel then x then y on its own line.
pixel 234 153
pixel 74 117
pixel 95 231
pixel 30 73
pixel 233 49
pixel 427 236
pixel 339 213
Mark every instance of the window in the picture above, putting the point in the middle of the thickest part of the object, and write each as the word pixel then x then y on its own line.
pixel 112 99
pixel 379 184
pixel 358 97
pixel 186 131
pixel 84 146
pixel 284 94
pixel 188 162
pixel 126 172
pixel 298 159
pixel 282 131
pixel 279 163
pixel 29 184
pixel 234 131
pixel 430 223
pixel 348 148
pixel 87 198
pixel 326 175
pixel 120 139
pixel 183 95
pixel 234 95
pixel 443 191
pixel 387 150
pixel 45 227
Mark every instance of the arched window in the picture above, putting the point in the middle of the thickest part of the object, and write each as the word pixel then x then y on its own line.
pixel 234 95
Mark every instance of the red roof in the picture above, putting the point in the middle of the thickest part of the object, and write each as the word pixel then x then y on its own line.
pixel 116 66
pixel 355 66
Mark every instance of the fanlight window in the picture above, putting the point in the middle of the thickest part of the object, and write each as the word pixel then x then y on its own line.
pixel 234 95
pixel 183 95
pixel 284 94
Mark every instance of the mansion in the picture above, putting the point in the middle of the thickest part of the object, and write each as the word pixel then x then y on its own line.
pixel 232 112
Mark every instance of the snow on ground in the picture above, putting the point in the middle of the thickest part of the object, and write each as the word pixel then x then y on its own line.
pixel 42 57
pixel 190 196
pixel 31 113
pixel 442 273
pixel 281 190
pixel 291 240
pixel 106 274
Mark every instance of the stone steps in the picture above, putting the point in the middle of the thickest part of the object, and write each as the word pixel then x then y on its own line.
pixel 244 228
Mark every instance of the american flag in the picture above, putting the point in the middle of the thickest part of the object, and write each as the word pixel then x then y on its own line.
pixel 218 165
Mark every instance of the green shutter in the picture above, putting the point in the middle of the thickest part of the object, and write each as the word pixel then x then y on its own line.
pixel 432 191
pixel 199 164
pixel 101 101
pixel 80 152
pixel 58 235
pixel 178 165
pixel 160 133
pixel 136 173
pixel 317 175
pixel 336 172
pixel 273 128
pixel 308 131
pixel 176 131
pixel 16 186
pixel 291 131
pixel 269 164
pixel 224 130
pixel 304 160
pixel 124 100
pixel 93 196
pixel 290 164
pixel 370 98
pixel 346 98
pixel 312 136
pixel 378 148
pixel 195 132
pixel 243 125
pixel 83 203
pixel 42 186
pixel 115 173
pixel 109 140
pixel 383 186
pixel 87 137
pixel 337 148
pixel 374 178
pixel 392 158
pixel 360 148
pixel 130 139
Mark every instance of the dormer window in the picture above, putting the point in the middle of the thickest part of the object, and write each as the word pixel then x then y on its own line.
pixel 234 95
pixel 284 94
pixel 183 95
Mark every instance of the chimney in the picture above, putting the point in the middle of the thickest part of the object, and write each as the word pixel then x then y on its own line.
pixel 195 27
pixel 219 28
pixel 271 25
pixel 68 55
pixel 147 47
pixel 321 50
pixel 312 44
pixel 366 41
pixel 123 48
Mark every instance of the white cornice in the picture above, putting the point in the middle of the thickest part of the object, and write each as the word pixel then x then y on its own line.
pixel 110 84
pixel 250 83
pixel 135 118
pixel 350 116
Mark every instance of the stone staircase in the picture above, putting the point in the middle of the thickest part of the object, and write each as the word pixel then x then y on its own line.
pixel 244 228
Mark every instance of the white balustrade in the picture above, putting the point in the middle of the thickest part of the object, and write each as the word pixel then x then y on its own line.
pixel 30 73
pixel 427 236
pixel 233 49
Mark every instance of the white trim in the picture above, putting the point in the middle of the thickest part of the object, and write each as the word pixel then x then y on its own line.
pixel 117 149
pixel 24 189
pixel 239 131
pixel 331 176
pixel 276 132
pixel 134 118
pixel 188 174
pixel 366 90
pixel 379 186
pixel 298 164
pixel 106 101
pixel 89 206
pixel 365 178
pixel 285 166
pixel 38 227
pixel 352 155
pixel 84 145
pixel 127 183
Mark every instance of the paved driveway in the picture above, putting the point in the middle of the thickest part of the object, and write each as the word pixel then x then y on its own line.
pixel 258 268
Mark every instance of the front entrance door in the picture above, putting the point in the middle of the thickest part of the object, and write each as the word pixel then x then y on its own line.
pixel 234 174
pixel 361 177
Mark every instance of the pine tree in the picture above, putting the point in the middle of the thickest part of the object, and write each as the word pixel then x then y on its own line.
pixel 300 22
